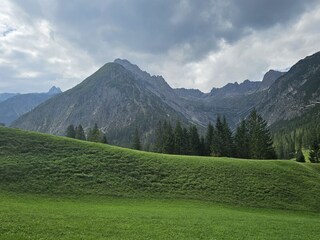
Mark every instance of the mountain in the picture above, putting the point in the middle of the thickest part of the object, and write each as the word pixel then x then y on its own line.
pixel 120 97
pixel 117 99
pixel 16 106
pixel 5 96
pixel 269 78
pixel 294 92
pixel 247 87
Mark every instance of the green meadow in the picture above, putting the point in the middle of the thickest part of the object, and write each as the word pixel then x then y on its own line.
pixel 59 188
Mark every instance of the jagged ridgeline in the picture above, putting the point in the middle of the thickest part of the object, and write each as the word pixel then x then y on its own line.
pixel 120 98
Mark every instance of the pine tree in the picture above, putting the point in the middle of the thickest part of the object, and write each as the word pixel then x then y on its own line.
pixel 168 138
pixel 159 141
pixel 223 141
pixel 136 140
pixel 261 145
pixel 228 149
pixel 300 156
pixel 314 152
pixel 95 135
pixel 194 141
pixel 104 139
pixel 241 140
pixel 203 147
pixel 217 147
pixel 79 133
pixel 209 139
pixel 178 138
pixel 185 142
pixel 70 132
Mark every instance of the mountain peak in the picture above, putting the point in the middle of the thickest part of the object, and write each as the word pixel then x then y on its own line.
pixel 122 61
pixel 54 90
pixel 270 77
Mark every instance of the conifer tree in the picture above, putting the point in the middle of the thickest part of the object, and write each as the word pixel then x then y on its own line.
pixel 228 149
pixel 185 142
pixel 209 139
pixel 70 132
pixel 194 140
pixel 79 133
pixel 159 141
pixel 314 152
pixel 300 156
pixel 136 140
pixel 178 138
pixel 104 139
pixel 261 145
pixel 217 141
pixel 168 138
pixel 203 147
pixel 223 141
pixel 95 135
pixel 241 140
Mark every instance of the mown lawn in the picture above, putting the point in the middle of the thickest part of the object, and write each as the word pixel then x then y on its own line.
pixel 25 216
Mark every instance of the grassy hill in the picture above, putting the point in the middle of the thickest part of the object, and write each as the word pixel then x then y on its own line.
pixel 38 163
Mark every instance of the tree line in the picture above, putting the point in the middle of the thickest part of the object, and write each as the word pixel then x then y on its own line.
pixel 251 139
pixel 290 137
pixel 94 134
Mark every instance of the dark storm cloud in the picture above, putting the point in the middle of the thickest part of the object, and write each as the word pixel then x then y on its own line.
pixel 188 41
pixel 157 26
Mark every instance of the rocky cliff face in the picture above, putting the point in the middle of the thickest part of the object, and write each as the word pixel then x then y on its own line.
pixel 294 92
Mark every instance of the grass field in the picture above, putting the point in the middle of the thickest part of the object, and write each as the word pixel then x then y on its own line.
pixel 58 188
pixel 38 217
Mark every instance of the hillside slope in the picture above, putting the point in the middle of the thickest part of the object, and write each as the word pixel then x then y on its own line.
pixel 38 163
pixel 294 92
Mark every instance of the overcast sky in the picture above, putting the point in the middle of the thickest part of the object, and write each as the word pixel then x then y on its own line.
pixel 192 43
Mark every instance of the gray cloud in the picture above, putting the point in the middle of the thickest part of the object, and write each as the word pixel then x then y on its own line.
pixel 79 35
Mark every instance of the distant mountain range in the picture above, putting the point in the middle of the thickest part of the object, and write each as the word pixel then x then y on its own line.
pixel 5 96
pixel 120 97
pixel 15 105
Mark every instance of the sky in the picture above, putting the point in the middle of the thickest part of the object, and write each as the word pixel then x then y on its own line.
pixel 192 44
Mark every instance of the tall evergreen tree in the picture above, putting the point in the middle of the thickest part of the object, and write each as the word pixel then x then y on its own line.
pixel 136 140
pixel 159 141
pixel 70 132
pixel 314 152
pixel 261 145
pixel 241 140
pixel 217 147
pixel 168 138
pixel 79 133
pixel 95 135
pixel 104 139
pixel 300 156
pixel 209 139
pixel 223 141
pixel 194 141
pixel 203 147
pixel 178 138
pixel 185 142
pixel 228 149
